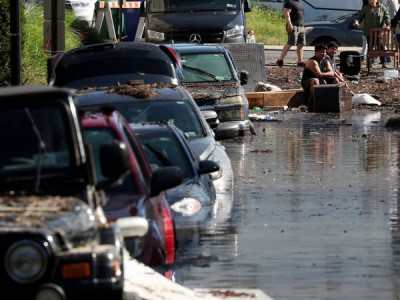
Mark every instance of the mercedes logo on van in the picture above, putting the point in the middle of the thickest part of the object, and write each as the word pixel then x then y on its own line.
pixel 195 38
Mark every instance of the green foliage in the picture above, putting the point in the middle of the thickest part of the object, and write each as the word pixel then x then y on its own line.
pixel 5 75
pixel 268 25
pixel 34 61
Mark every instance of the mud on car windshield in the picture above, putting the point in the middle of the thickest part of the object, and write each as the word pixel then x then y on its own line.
pixel 32 136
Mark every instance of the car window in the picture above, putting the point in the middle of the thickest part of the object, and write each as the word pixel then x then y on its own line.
pixel 179 113
pixel 95 137
pixel 164 150
pixel 32 136
pixel 193 5
pixel 103 66
pixel 205 67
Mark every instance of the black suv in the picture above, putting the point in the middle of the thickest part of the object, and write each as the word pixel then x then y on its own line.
pixel 54 240
pixel 109 64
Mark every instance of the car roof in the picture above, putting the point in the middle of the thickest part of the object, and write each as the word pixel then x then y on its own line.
pixel 28 90
pixel 198 48
pixel 161 92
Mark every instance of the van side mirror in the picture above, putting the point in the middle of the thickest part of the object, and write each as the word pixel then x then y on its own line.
pixel 244 77
pixel 247 6
pixel 114 160
pixel 133 226
pixel 142 12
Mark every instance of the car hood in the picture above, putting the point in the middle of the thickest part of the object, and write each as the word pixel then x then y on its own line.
pixel 68 217
pixel 205 20
pixel 202 92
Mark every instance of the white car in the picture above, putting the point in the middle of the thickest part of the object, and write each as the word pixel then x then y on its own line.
pixel 83 9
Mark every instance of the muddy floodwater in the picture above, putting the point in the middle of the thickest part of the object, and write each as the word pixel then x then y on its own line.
pixel 315 212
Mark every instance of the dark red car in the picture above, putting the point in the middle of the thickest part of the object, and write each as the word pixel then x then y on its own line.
pixel 136 194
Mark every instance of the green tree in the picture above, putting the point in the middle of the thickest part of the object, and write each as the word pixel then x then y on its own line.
pixel 5 72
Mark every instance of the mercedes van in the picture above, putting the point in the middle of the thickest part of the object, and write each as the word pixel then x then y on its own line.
pixel 199 21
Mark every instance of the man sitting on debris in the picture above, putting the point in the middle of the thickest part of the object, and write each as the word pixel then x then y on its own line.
pixel 318 70
pixel 330 56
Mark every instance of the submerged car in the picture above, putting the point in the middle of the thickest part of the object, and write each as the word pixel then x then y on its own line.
pixel 166 145
pixel 54 239
pixel 134 194
pixel 157 103
pixel 109 64
pixel 212 78
pixel 340 30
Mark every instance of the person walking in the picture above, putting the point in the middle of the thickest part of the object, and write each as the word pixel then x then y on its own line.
pixel 294 16
pixel 395 23
pixel 374 15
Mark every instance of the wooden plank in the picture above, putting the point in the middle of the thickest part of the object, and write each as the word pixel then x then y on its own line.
pixel 290 98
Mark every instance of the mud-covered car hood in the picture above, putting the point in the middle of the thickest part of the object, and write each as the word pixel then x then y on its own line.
pixel 211 91
pixel 69 217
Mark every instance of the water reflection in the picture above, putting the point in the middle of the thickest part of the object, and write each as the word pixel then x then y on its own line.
pixel 315 213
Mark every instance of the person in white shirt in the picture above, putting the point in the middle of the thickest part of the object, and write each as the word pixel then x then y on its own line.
pixel 393 7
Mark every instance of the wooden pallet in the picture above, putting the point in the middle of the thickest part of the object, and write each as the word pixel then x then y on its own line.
pixel 290 98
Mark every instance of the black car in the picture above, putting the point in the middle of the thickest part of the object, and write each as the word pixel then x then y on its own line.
pixel 157 103
pixel 109 64
pixel 340 30
pixel 54 240
pixel 196 21
pixel 165 145
pixel 211 76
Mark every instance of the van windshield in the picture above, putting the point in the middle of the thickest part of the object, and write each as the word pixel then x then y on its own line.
pixel 165 6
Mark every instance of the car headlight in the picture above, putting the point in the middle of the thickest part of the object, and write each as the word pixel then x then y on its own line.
pixel 217 174
pixel 155 35
pixel 232 114
pixel 187 207
pixel 26 261
pixel 237 30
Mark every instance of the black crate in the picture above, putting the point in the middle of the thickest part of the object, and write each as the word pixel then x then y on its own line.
pixel 350 62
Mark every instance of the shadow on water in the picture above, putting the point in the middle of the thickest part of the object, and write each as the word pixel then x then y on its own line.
pixel 315 214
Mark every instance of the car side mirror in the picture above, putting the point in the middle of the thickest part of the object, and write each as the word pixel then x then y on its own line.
pixel 133 226
pixel 114 160
pixel 244 77
pixel 208 166
pixel 165 178
pixel 211 117
pixel 142 12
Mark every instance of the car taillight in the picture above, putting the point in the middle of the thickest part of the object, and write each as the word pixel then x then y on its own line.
pixel 76 270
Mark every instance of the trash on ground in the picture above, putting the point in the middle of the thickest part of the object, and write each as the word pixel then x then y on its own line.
pixel 265 87
pixel 392 73
pixel 364 99
pixel 257 117
pixel 337 122
pixel 383 79
pixel 261 151
pixel 256 108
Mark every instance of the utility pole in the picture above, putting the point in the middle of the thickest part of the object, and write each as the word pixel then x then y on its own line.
pixel 15 41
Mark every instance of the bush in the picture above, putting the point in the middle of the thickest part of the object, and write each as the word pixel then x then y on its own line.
pixel 5 72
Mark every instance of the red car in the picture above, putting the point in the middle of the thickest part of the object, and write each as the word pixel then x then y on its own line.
pixel 140 192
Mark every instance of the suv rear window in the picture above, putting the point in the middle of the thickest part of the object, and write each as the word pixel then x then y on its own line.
pixel 31 136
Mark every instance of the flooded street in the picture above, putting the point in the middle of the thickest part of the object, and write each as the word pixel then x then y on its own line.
pixel 315 212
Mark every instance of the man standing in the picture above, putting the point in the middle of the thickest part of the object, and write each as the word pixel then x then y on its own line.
pixel 294 16
pixel 374 15
pixel 318 70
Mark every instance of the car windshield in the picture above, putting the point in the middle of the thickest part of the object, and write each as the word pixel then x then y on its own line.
pixel 34 137
pixel 179 113
pixel 95 137
pixel 203 67
pixel 104 67
pixel 163 149
pixel 165 6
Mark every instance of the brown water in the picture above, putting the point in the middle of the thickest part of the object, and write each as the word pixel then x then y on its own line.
pixel 315 212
